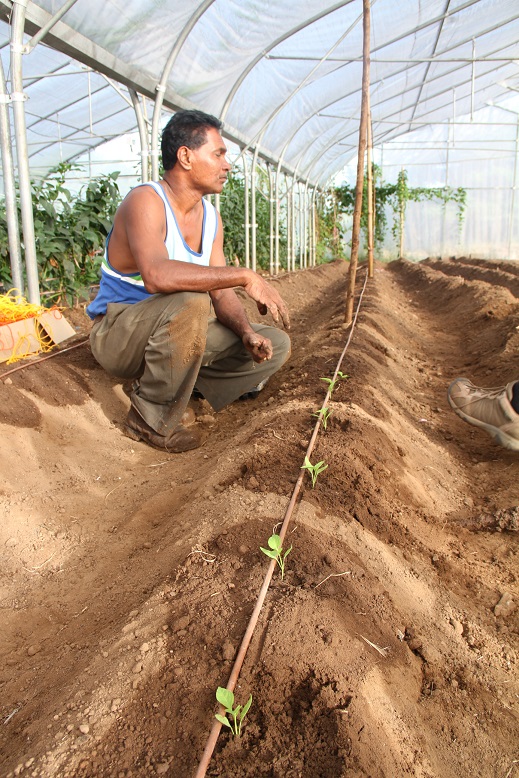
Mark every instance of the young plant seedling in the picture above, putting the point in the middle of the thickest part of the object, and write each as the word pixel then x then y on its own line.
pixel 332 382
pixel 275 551
pixel 314 470
pixel 237 714
pixel 324 415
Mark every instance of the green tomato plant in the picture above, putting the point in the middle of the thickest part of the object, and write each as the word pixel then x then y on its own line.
pixel 235 716
pixel 275 551
pixel 323 414
pixel 314 470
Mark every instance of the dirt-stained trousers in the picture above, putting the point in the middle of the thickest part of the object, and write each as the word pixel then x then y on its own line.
pixel 169 342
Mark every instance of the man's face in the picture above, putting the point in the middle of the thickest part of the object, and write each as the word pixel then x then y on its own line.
pixel 209 165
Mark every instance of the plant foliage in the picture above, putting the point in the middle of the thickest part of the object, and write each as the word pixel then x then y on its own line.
pixel 395 197
pixel 69 232
pixel 232 210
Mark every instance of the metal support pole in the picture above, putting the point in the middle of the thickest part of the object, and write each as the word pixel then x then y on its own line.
pixel 314 227
pixel 247 218
pixel 306 222
pixel 253 206
pixel 295 224
pixel 276 239
pixel 18 98
pixel 514 186
pixel 444 217
pixel 289 228
pixel 473 80
pixel 50 24
pixel 143 136
pixel 162 85
pixel 11 213
pixel 271 219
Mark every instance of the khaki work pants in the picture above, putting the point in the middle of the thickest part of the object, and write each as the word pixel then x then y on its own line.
pixel 169 343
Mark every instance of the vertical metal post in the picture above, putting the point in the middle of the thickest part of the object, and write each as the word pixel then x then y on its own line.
pixel 314 227
pixel 11 213
pixel 18 98
pixel 161 86
pixel 271 219
pixel 143 135
pixel 444 218
pixel 514 187
pixel 306 222
pixel 276 231
pixel 289 227
pixel 247 218
pixel 295 220
pixel 473 80
pixel 253 206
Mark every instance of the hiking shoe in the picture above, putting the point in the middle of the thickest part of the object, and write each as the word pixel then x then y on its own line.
pixel 253 392
pixel 179 440
pixel 489 409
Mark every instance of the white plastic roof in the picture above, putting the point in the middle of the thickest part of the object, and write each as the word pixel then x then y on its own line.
pixel 282 74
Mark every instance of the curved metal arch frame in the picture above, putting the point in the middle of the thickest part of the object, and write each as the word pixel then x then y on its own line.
pixel 328 105
pixel 440 18
pixel 161 86
pixel 277 42
pixel 284 104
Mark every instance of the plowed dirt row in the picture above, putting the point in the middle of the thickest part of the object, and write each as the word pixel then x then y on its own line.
pixel 128 576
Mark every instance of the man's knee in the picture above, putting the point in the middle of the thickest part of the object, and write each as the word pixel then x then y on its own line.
pixel 285 345
pixel 194 305
pixel 187 328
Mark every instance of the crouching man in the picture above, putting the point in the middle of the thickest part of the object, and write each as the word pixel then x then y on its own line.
pixel 163 266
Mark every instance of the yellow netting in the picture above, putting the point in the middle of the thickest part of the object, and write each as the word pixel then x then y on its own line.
pixel 15 308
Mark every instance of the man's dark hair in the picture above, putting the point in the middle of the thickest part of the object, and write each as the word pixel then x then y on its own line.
pixel 185 128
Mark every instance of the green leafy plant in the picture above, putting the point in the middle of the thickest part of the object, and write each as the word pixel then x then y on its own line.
pixel 275 551
pixel 395 197
pixel 332 382
pixel 314 470
pixel 235 716
pixel 232 209
pixel 324 415
pixel 69 230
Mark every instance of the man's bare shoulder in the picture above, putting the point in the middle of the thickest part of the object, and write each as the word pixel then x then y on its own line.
pixel 143 194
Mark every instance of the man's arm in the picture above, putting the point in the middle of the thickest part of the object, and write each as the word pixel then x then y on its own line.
pixel 141 219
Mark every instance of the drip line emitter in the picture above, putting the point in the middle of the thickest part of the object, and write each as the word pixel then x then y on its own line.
pixel 240 657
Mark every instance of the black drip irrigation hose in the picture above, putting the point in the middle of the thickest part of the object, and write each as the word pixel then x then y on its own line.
pixel 233 678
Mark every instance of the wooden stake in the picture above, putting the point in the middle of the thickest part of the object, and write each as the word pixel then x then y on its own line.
pixel 355 233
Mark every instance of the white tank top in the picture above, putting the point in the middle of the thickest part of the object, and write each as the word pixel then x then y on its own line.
pixel 116 287
pixel 175 244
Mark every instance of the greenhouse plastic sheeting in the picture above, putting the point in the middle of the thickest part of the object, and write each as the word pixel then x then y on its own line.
pixel 284 75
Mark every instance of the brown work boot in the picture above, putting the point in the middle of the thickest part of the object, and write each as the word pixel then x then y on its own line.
pixel 180 439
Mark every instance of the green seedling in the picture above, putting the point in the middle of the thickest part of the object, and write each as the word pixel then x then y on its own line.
pixel 237 714
pixel 324 415
pixel 332 382
pixel 314 470
pixel 275 551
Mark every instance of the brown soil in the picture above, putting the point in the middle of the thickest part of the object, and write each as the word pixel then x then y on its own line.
pixel 128 577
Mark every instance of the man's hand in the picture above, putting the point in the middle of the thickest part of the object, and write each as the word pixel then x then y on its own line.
pixel 259 347
pixel 267 299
